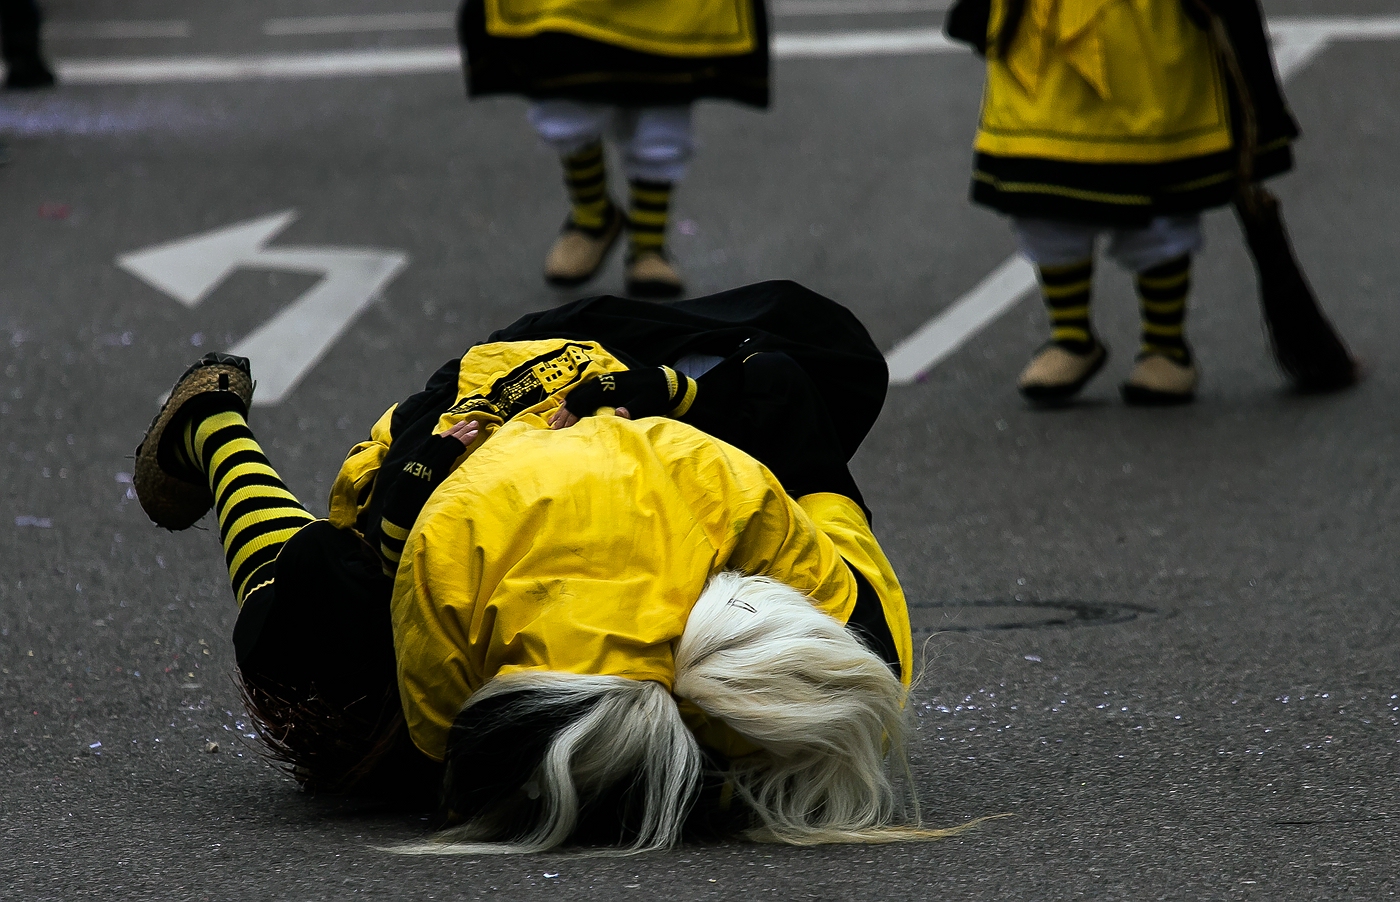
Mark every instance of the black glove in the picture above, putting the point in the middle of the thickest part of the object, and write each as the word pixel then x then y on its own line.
pixel 650 392
pixel 409 491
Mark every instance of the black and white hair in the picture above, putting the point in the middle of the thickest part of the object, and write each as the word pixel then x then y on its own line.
pixel 531 753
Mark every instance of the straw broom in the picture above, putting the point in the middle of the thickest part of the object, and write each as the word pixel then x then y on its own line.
pixel 1307 348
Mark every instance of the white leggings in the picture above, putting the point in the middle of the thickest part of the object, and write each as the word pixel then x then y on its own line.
pixel 656 141
pixel 1053 242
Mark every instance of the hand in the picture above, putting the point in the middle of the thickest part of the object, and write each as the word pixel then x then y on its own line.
pixel 465 433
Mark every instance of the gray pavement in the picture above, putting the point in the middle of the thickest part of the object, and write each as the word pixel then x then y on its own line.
pixel 1163 642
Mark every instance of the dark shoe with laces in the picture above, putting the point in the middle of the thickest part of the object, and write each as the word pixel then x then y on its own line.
pixel 172 495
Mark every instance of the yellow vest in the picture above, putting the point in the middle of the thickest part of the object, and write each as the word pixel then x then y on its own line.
pixel 1104 81
pixel 583 551
pixel 685 28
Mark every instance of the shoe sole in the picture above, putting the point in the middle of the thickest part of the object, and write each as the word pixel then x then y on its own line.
pixel 1138 396
pixel 1058 394
pixel 171 502
pixel 610 243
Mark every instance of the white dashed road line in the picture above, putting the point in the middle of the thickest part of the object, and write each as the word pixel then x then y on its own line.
pixel 117 29
pixel 352 24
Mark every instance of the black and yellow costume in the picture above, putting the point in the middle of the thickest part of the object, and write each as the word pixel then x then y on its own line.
pixel 576 550
pixel 1117 111
pixel 639 53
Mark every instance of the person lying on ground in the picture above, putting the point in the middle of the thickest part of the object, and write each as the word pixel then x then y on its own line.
pixel 617 630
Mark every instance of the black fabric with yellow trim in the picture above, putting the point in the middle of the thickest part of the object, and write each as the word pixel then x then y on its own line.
pixel 1125 194
pixel 551 64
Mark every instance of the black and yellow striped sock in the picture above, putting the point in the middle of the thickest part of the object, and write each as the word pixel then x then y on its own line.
pixel 648 208
pixel 1162 291
pixel 586 177
pixel 257 512
pixel 1066 290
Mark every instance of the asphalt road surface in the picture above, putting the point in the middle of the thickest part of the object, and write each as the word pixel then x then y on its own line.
pixel 1163 642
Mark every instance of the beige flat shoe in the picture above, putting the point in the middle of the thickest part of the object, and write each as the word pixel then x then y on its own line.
pixel 1057 374
pixel 173 499
pixel 1158 380
pixel 651 275
pixel 577 255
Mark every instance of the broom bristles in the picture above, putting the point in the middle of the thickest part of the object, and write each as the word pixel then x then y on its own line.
pixel 1304 343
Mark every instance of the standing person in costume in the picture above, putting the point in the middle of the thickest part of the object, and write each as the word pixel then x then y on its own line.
pixel 568 624
pixel 1115 116
pixel 631 71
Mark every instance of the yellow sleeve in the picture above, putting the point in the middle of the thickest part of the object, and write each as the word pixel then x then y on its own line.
pixel 843 522
pixel 773 536
pixel 356 476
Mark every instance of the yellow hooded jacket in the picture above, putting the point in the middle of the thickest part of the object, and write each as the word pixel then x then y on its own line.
pixel 583 550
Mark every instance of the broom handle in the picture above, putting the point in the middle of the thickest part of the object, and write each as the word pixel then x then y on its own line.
pixel 1249 141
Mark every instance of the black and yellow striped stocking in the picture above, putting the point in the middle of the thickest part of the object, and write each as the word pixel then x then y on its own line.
pixel 1066 291
pixel 586 177
pixel 257 512
pixel 1162 291
pixel 647 211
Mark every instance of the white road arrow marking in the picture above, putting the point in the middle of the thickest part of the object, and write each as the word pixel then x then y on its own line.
pixel 287 346
pixel 1297 42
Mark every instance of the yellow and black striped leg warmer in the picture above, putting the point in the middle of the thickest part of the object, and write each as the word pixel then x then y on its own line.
pixel 1066 290
pixel 1162 291
pixel 648 208
pixel 586 177
pixel 257 512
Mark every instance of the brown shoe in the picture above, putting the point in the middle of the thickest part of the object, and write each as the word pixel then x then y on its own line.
pixel 1158 380
pixel 651 275
pixel 171 497
pixel 1057 374
pixel 577 254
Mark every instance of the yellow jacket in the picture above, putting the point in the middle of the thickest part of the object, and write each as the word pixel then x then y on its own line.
pixel 583 551
pixel 1104 81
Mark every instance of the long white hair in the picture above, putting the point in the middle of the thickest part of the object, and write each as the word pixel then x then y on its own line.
pixel 823 710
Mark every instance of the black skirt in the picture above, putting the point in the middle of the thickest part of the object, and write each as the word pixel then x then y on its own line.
pixel 553 65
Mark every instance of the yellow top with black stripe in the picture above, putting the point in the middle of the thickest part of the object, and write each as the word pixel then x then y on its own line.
pixel 690 28
pixel 1104 81
pixel 495 381
pixel 583 550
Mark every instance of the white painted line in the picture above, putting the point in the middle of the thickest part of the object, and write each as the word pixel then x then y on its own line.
pixel 121 28
pixel 970 314
pixel 432 21
pixel 1301 34
pixel 793 8
pixel 1341 28
pixel 445 21
pixel 327 64
pixel 838 44
pixel 288 346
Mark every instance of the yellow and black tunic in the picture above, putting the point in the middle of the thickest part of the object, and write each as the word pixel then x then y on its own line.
pixel 641 52
pixel 1117 111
